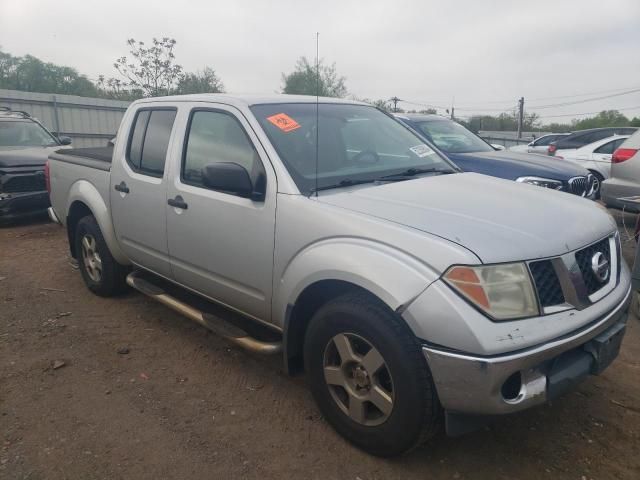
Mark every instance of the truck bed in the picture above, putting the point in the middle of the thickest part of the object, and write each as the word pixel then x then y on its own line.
pixel 94 157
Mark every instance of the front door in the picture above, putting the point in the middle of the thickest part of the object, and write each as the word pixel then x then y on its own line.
pixel 139 190
pixel 221 244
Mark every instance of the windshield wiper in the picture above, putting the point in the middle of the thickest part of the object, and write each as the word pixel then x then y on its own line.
pixel 412 172
pixel 347 182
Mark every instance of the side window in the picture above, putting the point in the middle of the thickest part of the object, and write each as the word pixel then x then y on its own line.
pixel 149 141
pixel 544 141
pixel 216 137
pixel 606 148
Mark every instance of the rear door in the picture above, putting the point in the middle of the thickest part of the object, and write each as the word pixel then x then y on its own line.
pixel 221 244
pixel 139 189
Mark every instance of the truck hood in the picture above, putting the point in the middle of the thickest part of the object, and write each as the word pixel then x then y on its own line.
pixel 25 156
pixel 498 220
pixel 511 165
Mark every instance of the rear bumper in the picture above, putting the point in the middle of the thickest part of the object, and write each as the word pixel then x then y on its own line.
pixel 476 385
pixel 22 204
pixel 614 188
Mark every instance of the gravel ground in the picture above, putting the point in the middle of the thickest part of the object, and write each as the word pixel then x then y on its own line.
pixel 125 388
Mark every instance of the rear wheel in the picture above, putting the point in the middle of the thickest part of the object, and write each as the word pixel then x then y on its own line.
pixel 100 272
pixel 369 377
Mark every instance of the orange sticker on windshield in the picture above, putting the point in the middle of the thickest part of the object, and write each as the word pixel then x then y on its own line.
pixel 284 122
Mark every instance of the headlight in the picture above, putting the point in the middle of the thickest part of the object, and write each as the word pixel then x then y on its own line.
pixel 503 292
pixel 541 182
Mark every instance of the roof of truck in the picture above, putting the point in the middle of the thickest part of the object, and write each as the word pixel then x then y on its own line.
pixel 248 100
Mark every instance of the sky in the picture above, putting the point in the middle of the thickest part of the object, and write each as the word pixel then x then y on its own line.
pixel 480 56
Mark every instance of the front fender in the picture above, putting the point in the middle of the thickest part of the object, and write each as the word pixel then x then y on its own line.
pixel 395 277
pixel 86 193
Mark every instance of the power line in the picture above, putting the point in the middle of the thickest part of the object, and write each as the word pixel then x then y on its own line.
pixel 586 100
pixel 585 113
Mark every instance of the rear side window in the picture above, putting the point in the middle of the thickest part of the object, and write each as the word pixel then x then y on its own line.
pixel 149 140
pixel 610 147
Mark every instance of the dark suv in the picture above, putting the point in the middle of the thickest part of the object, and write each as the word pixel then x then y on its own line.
pixel 25 145
pixel 585 137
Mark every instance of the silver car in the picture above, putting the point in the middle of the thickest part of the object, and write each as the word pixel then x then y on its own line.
pixel 625 173
pixel 330 233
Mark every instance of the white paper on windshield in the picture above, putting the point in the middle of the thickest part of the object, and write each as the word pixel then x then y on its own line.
pixel 421 150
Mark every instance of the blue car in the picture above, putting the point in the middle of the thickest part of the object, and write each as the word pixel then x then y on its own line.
pixel 472 154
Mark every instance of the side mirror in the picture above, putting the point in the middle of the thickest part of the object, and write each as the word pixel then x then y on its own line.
pixel 64 140
pixel 111 142
pixel 497 147
pixel 232 178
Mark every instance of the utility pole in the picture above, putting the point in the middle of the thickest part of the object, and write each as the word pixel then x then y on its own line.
pixel 520 116
pixel 453 109
pixel 395 101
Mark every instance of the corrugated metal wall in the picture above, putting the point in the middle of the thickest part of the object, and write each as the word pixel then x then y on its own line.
pixel 90 122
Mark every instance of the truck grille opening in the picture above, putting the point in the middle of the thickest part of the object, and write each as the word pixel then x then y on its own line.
pixel 24 183
pixel 547 283
pixel 584 256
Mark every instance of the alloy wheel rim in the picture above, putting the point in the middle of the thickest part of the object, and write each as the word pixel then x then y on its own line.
pixel 91 258
pixel 358 379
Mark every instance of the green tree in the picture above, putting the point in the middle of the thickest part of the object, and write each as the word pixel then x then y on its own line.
pixel 31 74
pixel 306 80
pixel 205 81
pixel 606 118
pixel 635 122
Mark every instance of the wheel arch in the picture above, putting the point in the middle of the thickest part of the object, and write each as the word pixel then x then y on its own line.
pixel 85 199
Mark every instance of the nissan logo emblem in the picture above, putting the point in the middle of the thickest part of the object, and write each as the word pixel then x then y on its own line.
pixel 600 267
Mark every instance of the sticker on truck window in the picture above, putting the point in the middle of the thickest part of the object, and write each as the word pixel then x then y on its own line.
pixel 284 122
pixel 421 150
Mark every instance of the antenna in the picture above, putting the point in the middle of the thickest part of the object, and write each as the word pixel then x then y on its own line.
pixel 317 103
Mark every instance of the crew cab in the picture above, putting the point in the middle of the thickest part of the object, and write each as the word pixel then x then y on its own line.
pixel 328 232
pixel 25 145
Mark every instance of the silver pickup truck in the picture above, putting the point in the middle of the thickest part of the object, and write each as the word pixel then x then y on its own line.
pixel 329 232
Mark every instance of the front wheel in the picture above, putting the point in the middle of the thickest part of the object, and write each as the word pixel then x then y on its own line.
pixel 100 271
pixel 369 377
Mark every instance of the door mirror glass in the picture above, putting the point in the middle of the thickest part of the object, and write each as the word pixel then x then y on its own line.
pixel 64 140
pixel 230 177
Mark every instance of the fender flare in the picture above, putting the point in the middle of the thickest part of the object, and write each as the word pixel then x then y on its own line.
pixel 84 192
pixel 395 277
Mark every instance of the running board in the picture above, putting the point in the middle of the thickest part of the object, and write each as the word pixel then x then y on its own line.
pixel 212 322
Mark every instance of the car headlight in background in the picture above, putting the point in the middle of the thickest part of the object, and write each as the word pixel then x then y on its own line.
pixel 503 292
pixel 541 182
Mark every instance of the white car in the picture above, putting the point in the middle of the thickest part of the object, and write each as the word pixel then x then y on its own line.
pixel 539 145
pixel 596 156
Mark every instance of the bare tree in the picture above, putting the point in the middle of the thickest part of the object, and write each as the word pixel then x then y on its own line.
pixel 150 69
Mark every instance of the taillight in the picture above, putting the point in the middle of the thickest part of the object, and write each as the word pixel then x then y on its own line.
pixel 623 154
pixel 552 149
pixel 47 178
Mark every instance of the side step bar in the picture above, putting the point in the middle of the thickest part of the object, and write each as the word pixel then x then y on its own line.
pixel 212 322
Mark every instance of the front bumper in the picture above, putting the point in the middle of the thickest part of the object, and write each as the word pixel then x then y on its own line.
pixel 22 204
pixel 476 385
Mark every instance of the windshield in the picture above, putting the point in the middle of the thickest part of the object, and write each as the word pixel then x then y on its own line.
pixel 451 137
pixel 356 144
pixel 24 134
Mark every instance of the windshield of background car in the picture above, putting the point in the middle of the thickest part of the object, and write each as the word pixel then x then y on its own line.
pixel 451 137
pixel 24 134
pixel 356 143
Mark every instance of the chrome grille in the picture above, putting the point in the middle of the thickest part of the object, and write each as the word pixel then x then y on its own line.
pixel 581 185
pixel 583 257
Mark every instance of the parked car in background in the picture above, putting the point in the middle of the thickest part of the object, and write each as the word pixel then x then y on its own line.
pixel 401 286
pixel 596 157
pixel 585 137
pixel 539 145
pixel 472 154
pixel 25 145
pixel 625 173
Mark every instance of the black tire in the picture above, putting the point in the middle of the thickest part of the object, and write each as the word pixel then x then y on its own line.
pixel 600 179
pixel 416 413
pixel 112 280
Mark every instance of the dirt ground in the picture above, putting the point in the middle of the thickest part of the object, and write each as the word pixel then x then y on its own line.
pixel 183 403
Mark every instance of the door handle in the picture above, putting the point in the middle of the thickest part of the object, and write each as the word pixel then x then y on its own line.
pixel 122 187
pixel 178 202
